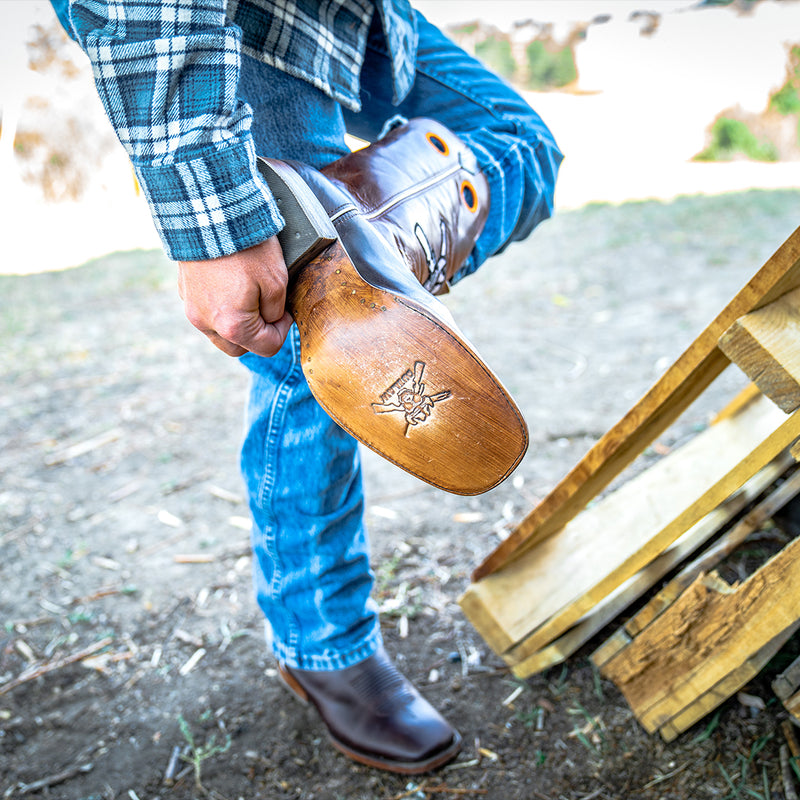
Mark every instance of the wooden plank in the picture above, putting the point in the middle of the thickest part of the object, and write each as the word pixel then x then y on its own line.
pixel 788 682
pixel 726 688
pixel 792 705
pixel 630 591
pixel 763 344
pixel 531 603
pixel 615 643
pixel 682 383
pixel 762 454
pixel 731 409
pixel 705 635
pixel 716 553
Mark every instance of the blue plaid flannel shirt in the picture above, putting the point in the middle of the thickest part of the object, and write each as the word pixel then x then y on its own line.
pixel 167 73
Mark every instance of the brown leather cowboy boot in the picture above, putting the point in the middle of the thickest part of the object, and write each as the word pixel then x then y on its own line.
pixel 376 716
pixel 381 354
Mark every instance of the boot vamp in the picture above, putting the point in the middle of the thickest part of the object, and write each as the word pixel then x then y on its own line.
pixel 372 707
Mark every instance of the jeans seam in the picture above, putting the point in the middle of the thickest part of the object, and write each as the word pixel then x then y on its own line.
pixel 266 495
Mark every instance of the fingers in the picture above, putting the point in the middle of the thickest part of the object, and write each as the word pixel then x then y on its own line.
pixel 272 304
pixel 238 301
pixel 267 343
pixel 238 334
pixel 227 347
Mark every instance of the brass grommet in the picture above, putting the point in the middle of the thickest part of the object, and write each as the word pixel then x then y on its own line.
pixel 469 196
pixel 439 143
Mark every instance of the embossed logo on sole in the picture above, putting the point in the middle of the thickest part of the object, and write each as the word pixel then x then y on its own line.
pixel 407 396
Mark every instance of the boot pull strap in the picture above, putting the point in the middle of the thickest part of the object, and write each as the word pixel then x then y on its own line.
pixel 308 231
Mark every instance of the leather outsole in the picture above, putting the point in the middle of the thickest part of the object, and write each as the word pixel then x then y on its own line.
pixel 403 381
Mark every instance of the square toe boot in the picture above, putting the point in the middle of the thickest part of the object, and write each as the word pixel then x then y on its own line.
pixel 376 716
pixel 368 241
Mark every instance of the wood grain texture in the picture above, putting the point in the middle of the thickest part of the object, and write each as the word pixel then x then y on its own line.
pixel 713 488
pixel 739 676
pixel 764 345
pixel 630 591
pixel 710 631
pixel 539 596
pixel 705 561
pixel 683 382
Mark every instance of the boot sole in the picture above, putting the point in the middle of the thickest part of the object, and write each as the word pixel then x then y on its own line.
pixel 401 381
pixel 438 759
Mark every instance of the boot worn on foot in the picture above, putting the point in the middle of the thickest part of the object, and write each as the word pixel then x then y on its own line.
pixel 375 716
pixel 367 241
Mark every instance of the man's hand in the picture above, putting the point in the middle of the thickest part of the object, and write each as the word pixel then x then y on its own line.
pixel 239 301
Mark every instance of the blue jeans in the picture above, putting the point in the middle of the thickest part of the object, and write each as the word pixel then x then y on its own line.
pixel 303 476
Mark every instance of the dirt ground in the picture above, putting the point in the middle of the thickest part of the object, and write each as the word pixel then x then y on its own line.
pixel 123 530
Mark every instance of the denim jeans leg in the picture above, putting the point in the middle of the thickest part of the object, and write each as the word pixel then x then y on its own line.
pixel 311 555
pixel 514 147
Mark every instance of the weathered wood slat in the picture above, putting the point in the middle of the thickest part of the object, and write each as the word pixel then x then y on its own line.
pixel 707 634
pixel 764 345
pixel 706 561
pixel 712 494
pixel 622 598
pixel 787 688
pixel 792 705
pixel 531 602
pixel 724 547
pixel 738 677
pixel 688 377
pixel 788 682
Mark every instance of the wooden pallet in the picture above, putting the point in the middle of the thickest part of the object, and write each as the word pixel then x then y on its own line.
pixel 681 384
pixel 699 640
pixel 707 644
pixel 539 597
pixel 703 563
pixel 629 592
pixel 566 570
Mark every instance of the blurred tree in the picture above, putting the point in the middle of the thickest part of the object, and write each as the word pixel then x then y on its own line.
pixel 495 52
pixel 549 68
pixel 731 138
pixel 57 143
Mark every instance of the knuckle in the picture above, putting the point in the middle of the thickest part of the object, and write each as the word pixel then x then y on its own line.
pixel 228 328
pixel 195 317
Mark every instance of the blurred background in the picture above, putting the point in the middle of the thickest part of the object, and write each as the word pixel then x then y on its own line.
pixel 648 99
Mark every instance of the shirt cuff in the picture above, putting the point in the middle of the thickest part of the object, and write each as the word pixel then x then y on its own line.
pixel 210 205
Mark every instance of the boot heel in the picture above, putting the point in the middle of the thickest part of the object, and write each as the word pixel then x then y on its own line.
pixel 308 231
pixel 288 680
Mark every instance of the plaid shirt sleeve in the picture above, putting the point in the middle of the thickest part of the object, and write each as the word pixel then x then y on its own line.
pixel 167 73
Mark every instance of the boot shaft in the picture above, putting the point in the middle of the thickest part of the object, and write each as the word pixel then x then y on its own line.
pixel 421 187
